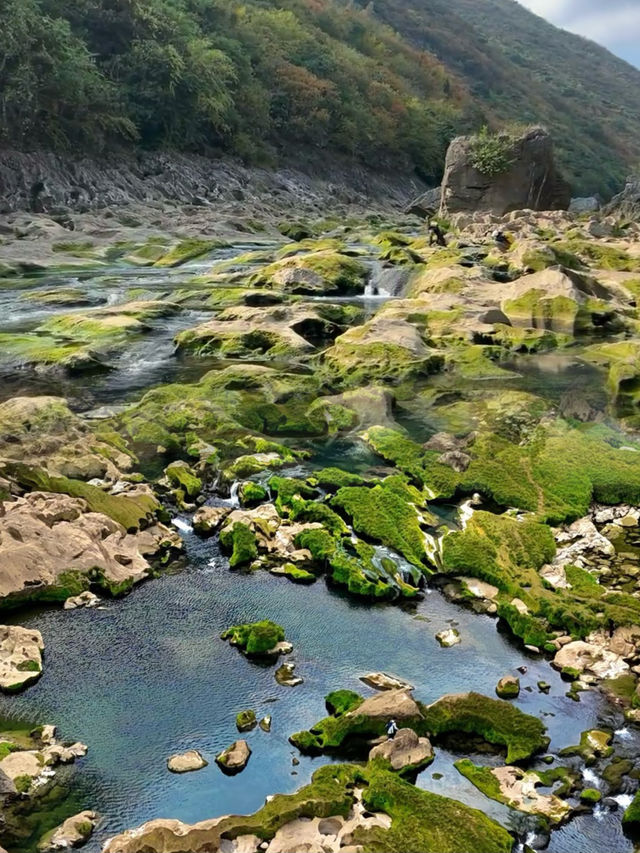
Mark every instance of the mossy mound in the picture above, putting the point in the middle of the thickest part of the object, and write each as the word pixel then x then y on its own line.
pixel 240 540
pixel 186 250
pixel 181 476
pixel 495 721
pixel 631 816
pixel 246 721
pixel 387 513
pixel 314 273
pixel 255 638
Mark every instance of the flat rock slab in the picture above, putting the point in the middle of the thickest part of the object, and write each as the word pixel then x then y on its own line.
pixel 384 681
pixel 186 762
pixel 391 704
pixel 74 832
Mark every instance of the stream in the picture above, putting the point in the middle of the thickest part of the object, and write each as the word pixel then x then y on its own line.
pixel 145 677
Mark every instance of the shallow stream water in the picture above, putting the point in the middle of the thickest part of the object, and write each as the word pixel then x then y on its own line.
pixel 148 676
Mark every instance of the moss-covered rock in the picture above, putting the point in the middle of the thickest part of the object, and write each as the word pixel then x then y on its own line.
pixel 495 721
pixel 314 273
pixel 182 476
pixel 240 540
pixel 256 638
pixel 246 721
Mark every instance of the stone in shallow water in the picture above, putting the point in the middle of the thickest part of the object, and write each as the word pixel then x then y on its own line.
pixel 20 657
pixel 85 599
pixel 284 675
pixel 449 637
pixel 384 681
pixel 234 758
pixel 186 762
pixel 508 687
pixel 74 832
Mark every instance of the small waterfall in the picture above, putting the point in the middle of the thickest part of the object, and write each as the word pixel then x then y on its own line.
pixel 590 778
pixel 182 525
pixel 623 800
pixel 233 494
pixel 623 733
pixel 600 811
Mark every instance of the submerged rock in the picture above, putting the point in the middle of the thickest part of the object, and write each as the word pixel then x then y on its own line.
pixel 186 762
pixel 284 675
pixel 20 657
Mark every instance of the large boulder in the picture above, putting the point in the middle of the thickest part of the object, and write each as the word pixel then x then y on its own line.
pixel 627 203
pixel 405 752
pixel 528 178
pixel 74 832
pixel 186 762
pixel 52 546
pixel 234 758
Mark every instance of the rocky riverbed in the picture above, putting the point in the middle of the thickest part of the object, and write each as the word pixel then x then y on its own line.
pixel 410 465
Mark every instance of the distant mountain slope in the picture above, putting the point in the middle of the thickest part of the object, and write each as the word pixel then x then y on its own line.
pixel 520 67
pixel 386 82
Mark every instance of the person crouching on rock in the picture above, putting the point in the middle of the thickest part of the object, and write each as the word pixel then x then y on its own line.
pixel 436 234
pixel 502 240
pixel 392 729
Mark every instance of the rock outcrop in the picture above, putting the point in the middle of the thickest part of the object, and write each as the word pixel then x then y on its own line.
pixel 384 681
pixel 74 832
pixel 406 752
pixel 529 180
pixel 52 543
pixel 627 202
pixel 20 657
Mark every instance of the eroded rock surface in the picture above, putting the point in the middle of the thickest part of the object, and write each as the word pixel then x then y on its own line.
pixel 20 657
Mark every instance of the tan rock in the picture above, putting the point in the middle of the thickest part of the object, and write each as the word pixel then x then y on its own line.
pixel 208 519
pixel 390 704
pixel 518 787
pixel 478 588
pixel 186 762
pixel 405 750
pixel 284 675
pixel 384 681
pixel 520 606
pixel 74 832
pixel 449 637
pixel 590 657
pixel 20 657
pixel 234 758
pixel 43 536
pixel 85 599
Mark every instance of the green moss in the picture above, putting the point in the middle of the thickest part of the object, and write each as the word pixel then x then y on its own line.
pixel 426 822
pixel 320 543
pixel 600 255
pixel 386 513
pixel 495 721
pixel 28 666
pixel 252 494
pixel 6 748
pixel 183 477
pixel 327 271
pixel 590 795
pixel 333 479
pixel 481 777
pixel 255 638
pixel 341 701
pixel 240 540
pixel 187 250
pixel 614 773
pixel 23 784
pixel 246 721
pixel 631 817
pixel 289 492
pixel 298 575
pixel 594 744
pixel 296 231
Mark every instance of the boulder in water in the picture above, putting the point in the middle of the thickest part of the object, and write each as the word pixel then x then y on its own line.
pixel 234 758
pixel 186 762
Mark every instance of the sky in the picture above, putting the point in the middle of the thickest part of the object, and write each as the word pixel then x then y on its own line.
pixel 613 23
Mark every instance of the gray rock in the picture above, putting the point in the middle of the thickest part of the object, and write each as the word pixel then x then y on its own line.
pixel 530 182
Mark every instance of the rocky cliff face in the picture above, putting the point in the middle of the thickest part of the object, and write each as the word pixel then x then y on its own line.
pixel 627 203
pixel 46 182
pixel 528 180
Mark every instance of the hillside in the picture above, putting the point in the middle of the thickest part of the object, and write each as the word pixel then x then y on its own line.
pixel 388 82
pixel 519 67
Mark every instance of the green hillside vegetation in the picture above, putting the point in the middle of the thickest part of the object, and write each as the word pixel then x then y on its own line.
pixel 387 83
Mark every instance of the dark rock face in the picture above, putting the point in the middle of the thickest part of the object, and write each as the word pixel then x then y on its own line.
pixel 531 181
pixel 427 204
pixel 627 203
pixel 44 182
